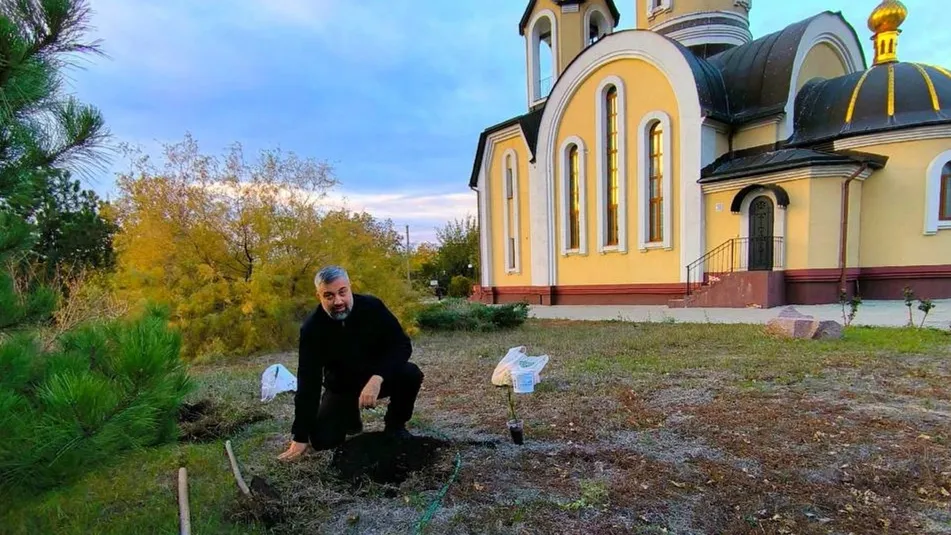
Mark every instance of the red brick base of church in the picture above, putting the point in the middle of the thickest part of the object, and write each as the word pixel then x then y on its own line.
pixel 766 289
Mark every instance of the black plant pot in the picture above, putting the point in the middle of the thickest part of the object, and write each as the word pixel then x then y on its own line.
pixel 515 429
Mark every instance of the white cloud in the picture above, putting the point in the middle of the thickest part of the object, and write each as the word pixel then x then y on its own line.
pixel 404 206
pixel 423 212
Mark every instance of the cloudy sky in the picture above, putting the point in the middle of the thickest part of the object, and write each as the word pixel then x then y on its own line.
pixel 394 97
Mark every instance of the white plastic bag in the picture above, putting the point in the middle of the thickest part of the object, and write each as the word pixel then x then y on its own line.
pixel 517 360
pixel 277 379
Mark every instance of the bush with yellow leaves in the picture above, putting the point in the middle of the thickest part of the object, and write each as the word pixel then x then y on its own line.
pixel 232 248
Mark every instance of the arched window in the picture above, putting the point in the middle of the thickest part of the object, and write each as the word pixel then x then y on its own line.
pixel 656 187
pixel 611 163
pixel 655 182
pixel 944 212
pixel 938 195
pixel 572 196
pixel 611 136
pixel 597 25
pixel 542 54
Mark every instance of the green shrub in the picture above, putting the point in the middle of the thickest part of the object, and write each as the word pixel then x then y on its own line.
pixel 461 315
pixel 460 286
pixel 107 387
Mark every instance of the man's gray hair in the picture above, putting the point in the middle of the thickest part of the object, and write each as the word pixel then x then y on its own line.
pixel 329 274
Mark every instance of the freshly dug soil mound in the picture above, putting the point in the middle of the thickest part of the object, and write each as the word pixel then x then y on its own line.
pixel 384 459
pixel 206 420
pixel 264 505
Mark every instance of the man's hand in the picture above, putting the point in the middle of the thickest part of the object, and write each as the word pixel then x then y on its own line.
pixel 370 392
pixel 295 450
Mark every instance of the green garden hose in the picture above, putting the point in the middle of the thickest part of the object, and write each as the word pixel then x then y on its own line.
pixel 437 501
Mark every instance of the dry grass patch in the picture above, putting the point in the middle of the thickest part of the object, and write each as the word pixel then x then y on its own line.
pixel 636 428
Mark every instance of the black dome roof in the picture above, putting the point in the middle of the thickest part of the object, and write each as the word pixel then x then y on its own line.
pixel 886 97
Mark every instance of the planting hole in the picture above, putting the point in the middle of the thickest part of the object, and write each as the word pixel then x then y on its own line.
pixel 384 459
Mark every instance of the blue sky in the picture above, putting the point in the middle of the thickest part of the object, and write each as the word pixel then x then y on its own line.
pixel 394 97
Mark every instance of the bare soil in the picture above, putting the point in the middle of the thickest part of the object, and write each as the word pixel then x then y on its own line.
pixel 380 458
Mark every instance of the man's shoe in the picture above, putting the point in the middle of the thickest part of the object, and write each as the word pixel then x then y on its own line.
pixel 398 432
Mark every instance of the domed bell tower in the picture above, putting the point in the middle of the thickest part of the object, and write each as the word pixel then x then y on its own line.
pixel 885 23
pixel 555 32
pixel 707 27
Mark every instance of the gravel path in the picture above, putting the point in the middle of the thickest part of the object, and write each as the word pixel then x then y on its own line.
pixel 874 313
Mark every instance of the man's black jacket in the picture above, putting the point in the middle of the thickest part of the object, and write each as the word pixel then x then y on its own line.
pixel 344 355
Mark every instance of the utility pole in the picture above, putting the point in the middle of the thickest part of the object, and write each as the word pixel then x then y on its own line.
pixel 408 279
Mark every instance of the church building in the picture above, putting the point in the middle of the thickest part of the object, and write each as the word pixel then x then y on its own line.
pixel 686 163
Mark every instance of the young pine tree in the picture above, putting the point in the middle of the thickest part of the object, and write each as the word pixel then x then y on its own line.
pixel 41 131
pixel 104 387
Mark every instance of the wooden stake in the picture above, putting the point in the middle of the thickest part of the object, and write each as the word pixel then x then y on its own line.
pixel 235 470
pixel 184 514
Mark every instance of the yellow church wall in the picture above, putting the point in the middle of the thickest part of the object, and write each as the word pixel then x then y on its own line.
pixel 633 266
pixel 500 275
pixel 799 214
pixel 825 222
pixel 821 62
pixel 723 225
pixel 893 204
pixel 755 136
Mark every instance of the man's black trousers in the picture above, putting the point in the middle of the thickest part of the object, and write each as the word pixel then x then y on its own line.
pixel 339 413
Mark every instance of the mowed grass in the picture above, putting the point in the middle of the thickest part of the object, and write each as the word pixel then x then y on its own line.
pixel 636 428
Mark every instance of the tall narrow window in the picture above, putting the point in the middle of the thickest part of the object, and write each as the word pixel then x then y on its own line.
pixel 655 189
pixel 944 214
pixel 574 190
pixel 510 210
pixel 611 135
pixel 509 193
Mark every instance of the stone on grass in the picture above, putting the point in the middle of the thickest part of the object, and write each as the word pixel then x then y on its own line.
pixel 828 330
pixel 793 327
pixel 790 323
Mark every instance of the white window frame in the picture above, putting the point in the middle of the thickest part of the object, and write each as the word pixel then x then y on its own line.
pixel 662 5
pixel 511 230
pixel 643 181
pixel 532 43
pixel 602 165
pixel 582 196
pixel 933 222
pixel 587 23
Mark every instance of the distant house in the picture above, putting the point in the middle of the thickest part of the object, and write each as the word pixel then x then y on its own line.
pixel 684 162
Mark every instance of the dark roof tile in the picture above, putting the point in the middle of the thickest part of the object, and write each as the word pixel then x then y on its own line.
pixel 760 160
pixel 529 124
pixel 825 110
pixel 757 75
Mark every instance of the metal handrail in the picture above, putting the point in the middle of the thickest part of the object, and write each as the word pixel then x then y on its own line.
pixel 731 256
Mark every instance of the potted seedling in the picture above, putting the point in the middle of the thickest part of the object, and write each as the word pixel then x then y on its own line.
pixel 515 424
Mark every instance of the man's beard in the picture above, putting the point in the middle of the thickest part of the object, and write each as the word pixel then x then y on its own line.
pixel 341 314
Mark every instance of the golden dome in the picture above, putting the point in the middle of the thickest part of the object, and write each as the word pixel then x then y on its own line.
pixel 888 16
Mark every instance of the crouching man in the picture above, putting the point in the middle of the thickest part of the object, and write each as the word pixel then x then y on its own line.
pixel 356 349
